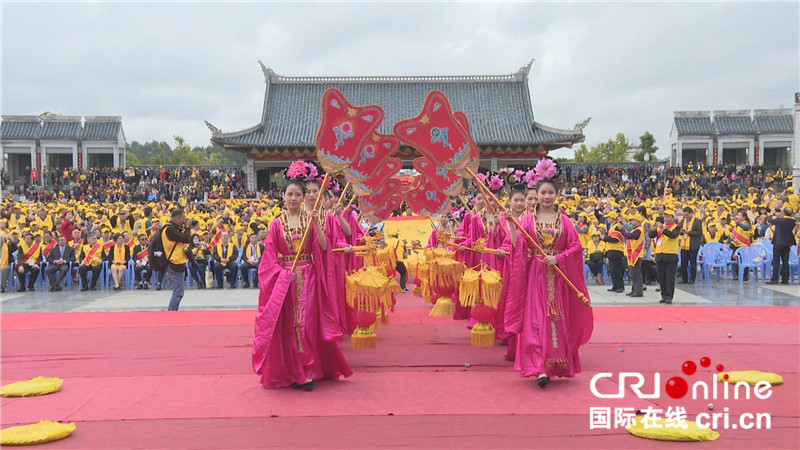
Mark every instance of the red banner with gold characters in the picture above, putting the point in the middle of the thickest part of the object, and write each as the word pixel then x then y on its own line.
pixel 80 160
pixel 755 156
pixel 38 162
pixel 715 155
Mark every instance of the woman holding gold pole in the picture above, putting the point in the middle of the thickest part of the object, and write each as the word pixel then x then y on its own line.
pixel 549 318
pixel 297 325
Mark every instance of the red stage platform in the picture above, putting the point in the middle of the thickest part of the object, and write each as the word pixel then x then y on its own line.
pixel 183 380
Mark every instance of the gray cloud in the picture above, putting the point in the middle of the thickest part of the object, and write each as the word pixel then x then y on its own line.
pixel 166 67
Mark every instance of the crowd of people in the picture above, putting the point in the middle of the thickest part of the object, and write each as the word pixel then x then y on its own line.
pixel 130 185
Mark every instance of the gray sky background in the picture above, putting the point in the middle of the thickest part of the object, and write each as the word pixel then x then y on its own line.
pixel 166 67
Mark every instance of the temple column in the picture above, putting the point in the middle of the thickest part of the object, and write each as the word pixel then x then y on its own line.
pixel 249 174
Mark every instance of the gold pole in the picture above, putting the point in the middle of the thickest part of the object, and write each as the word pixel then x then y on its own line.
pixel 308 226
pixel 341 197
pixel 530 239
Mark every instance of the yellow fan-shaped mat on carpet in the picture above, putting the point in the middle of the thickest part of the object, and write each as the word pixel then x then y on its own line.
pixel 37 433
pixel 660 430
pixel 750 377
pixel 36 386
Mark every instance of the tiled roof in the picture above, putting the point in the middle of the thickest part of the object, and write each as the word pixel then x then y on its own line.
pixel 62 128
pixel 101 130
pixel 698 126
pixel 16 127
pixel 733 125
pixel 774 124
pixel 498 108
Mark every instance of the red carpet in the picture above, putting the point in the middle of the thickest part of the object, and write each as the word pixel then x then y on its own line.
pixel 183 380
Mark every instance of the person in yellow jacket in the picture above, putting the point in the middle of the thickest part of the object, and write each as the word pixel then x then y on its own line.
pixel 792 199
pixel 740 236
pixel 634 251
pixel 176 238
pixel 251 257
pixel 665 234
pixel 595 255
pixel 8 245
pixel 615 252
pixel 90 259
pixel 29 255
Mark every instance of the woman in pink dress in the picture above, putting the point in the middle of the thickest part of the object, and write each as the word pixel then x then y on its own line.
pixel 550 321
pixel 502 242
pixel 297 326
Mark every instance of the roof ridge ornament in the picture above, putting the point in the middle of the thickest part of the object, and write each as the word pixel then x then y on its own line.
pixel 580 126
pixel 213 129
pixel 269 74
pixel 526 69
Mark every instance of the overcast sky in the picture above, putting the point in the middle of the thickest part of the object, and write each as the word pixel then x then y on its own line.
pixel 166 67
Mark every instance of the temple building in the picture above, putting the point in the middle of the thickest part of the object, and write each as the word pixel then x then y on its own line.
pixel 60 141
pixel 761 137
pixel 498 107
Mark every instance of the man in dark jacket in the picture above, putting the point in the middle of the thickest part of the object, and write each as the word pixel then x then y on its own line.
pixel 58 260
pixel 782 242
pixel 691 234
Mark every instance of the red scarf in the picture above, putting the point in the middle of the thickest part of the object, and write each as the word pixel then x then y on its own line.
pixel 740 240
pixel 29 254
pixel 669 227
pixel 90 255
pixel 50 246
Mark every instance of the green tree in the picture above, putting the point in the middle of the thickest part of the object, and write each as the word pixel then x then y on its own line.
pixel 217 159
pixel 613 150
pixel 183 154
pixel 647 143
pixel 131 159
pixel 581 154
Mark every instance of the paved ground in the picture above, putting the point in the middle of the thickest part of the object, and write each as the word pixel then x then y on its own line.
pixel 713 293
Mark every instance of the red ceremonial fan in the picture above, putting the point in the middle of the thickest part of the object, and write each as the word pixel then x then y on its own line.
pixel 386 208
pixel 343 130
pixel 376 200
pixel 375 150
pixel 436 133
pixel 386 169
pixel 475 156
pixel 425 200
pixel 445 181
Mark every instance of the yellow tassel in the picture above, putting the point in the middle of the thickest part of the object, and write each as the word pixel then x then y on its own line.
pixel 468 289
pixel 363 338
pixel 444 307
pixel 491 287
pixel 482 335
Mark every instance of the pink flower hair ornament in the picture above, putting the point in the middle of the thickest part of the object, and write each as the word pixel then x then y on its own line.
pixel 546 169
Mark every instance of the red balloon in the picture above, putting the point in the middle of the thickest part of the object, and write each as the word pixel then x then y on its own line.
pixel 364 319
pixel 482 313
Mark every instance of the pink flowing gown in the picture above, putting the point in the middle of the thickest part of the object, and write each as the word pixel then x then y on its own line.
pixel 337 263
pixel 550 322
pixel 297 324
